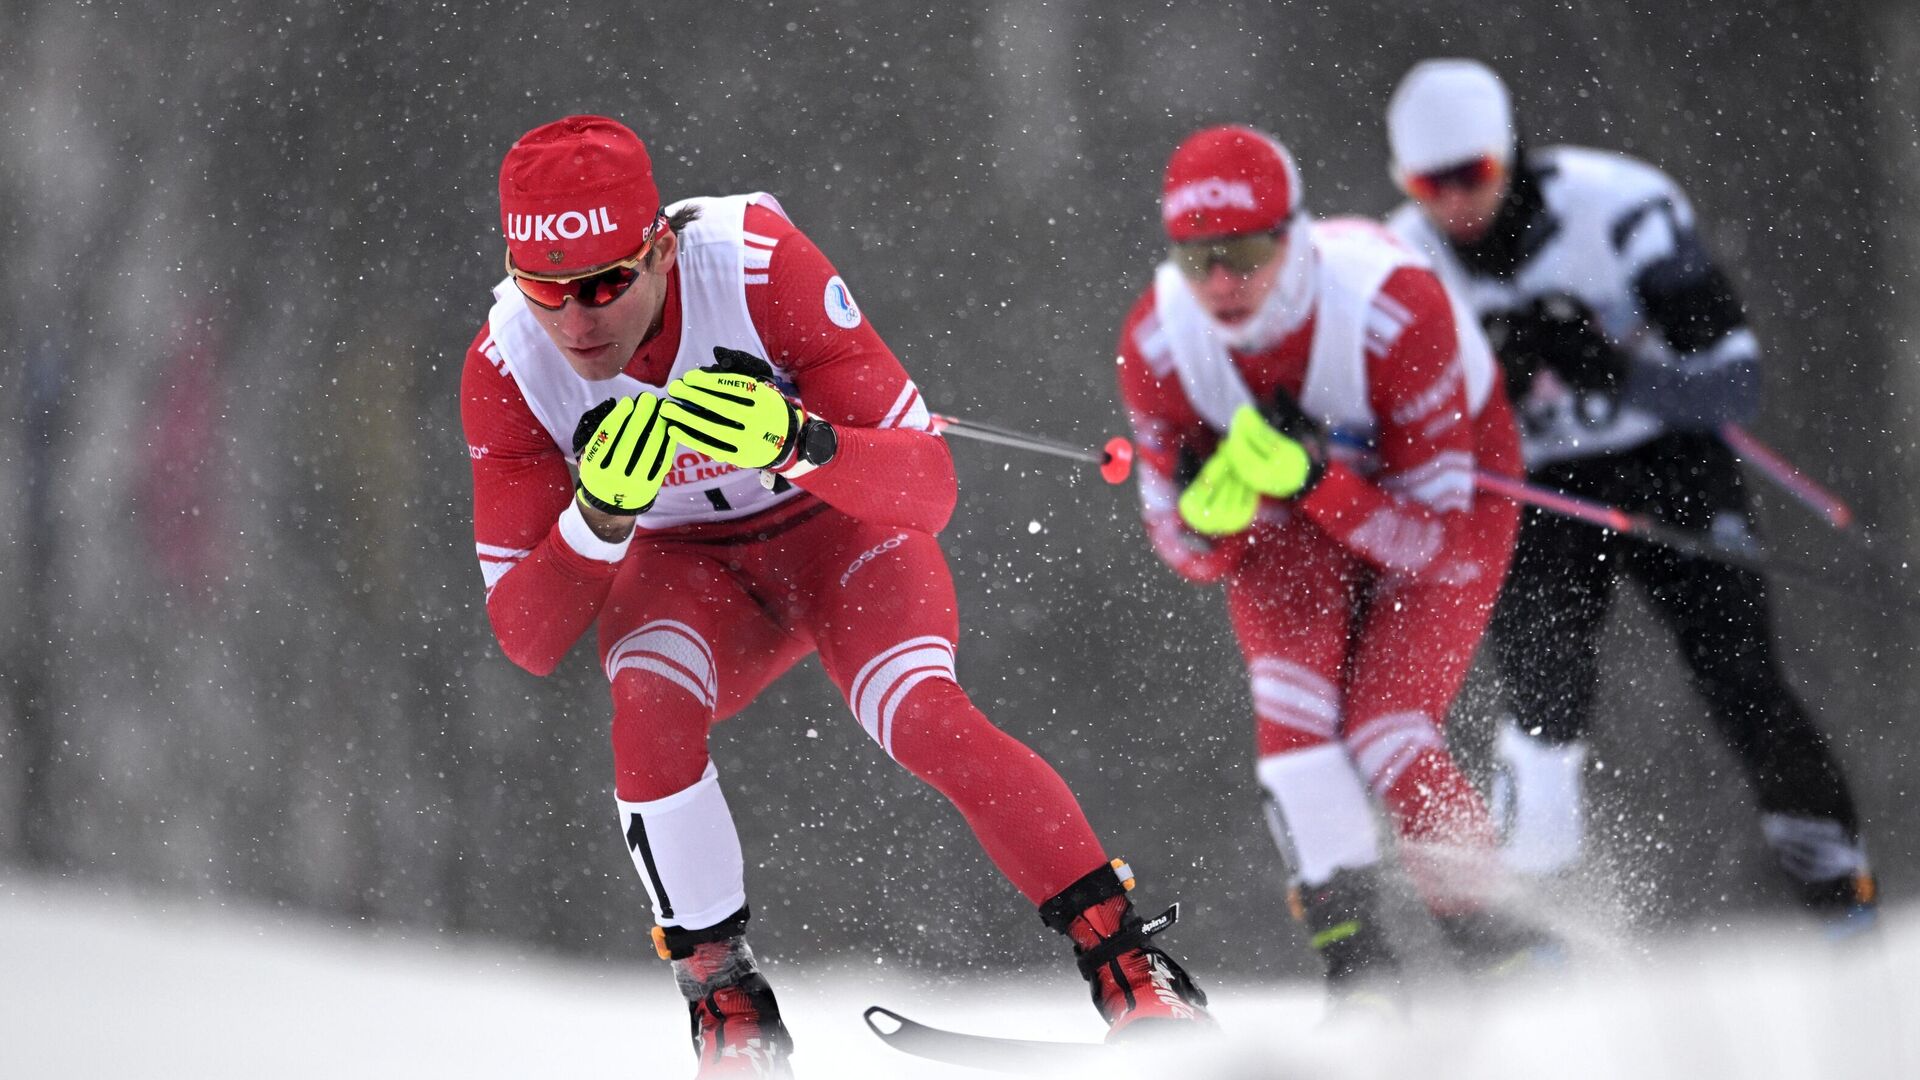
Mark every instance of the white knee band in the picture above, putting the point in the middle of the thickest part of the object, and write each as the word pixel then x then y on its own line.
pixel 688 854
pixel 1319 812
pixel 1536 795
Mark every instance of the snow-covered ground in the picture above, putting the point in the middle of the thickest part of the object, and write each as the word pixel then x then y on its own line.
pixel 96 985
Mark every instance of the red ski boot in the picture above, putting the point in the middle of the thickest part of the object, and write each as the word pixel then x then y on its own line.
pixel 1137 987
pixel 737 1031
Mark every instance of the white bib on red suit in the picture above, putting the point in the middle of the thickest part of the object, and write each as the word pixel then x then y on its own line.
pixel 1335 750
pixel 1355 259
pixel 713 265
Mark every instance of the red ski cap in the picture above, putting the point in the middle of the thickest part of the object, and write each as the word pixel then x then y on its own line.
pixel 576 194
pixel 1225 181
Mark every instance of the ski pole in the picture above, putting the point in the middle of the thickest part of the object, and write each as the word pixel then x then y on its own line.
pixel 1612 517
pixel 1115 459
pixel 1116 462
pixel 1700 545
pixel 1781 471
pixel 1876 593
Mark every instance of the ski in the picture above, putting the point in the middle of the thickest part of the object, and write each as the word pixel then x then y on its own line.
pixel 995 1054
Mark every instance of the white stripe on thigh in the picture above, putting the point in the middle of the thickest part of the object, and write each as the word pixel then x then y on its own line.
pixel 672 650
pixel 1384 746
pixel 884 681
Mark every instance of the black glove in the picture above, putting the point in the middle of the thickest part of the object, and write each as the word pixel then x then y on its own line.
pixel 1516 368
pixel 1289 419
pixel 737 362
pixel 1186 466
pixel 589 423
pixel 1556 332
pixel 1286 417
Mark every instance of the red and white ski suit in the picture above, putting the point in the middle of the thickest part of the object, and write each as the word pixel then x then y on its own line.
pixel 1359 605
pixel 726 583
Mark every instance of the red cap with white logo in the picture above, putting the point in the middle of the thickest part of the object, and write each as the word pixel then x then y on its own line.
pixel 1227 181
pixel 576 194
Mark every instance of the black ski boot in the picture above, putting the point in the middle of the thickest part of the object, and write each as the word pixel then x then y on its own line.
pixel 1491 944
pixel 1828 864
pixel 1845 906
pixel 1342 921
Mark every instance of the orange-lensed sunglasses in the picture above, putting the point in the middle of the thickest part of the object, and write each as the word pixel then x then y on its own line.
pixel 1468 176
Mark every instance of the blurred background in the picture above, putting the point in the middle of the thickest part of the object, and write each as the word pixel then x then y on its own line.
pixel 244 650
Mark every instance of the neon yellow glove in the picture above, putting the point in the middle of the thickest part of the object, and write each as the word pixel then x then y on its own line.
pixel 732 412
pixel 1283 461
pixel 1218 502
pixel 625 449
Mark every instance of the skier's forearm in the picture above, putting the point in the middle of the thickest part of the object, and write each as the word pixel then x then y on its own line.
pixel 1718 385
pixel 1389 534
pixel 1712 375
pixel 1189 555
pixel 610 528
pixel 888 476
pixel 542 606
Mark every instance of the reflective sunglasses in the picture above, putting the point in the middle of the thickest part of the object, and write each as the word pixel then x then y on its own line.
pixel 594 288
pixel 1469 176
pixel 1239 254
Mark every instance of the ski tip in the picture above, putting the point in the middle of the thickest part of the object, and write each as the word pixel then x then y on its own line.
pixel 890 1024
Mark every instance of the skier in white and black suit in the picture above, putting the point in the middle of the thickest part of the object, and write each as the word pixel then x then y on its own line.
pixel 1625 349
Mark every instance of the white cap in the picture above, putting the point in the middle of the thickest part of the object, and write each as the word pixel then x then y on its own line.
pixel 1446 113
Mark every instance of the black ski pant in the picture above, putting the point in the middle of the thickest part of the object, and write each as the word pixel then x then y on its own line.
pixel 1547 625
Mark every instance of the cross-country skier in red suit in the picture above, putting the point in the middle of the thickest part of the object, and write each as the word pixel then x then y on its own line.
pixel 1309 412
pixel 757 481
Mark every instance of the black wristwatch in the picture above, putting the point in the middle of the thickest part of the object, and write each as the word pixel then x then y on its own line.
pixel 818 442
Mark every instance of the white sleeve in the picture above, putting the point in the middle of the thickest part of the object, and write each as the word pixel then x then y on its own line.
pixel 580 537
